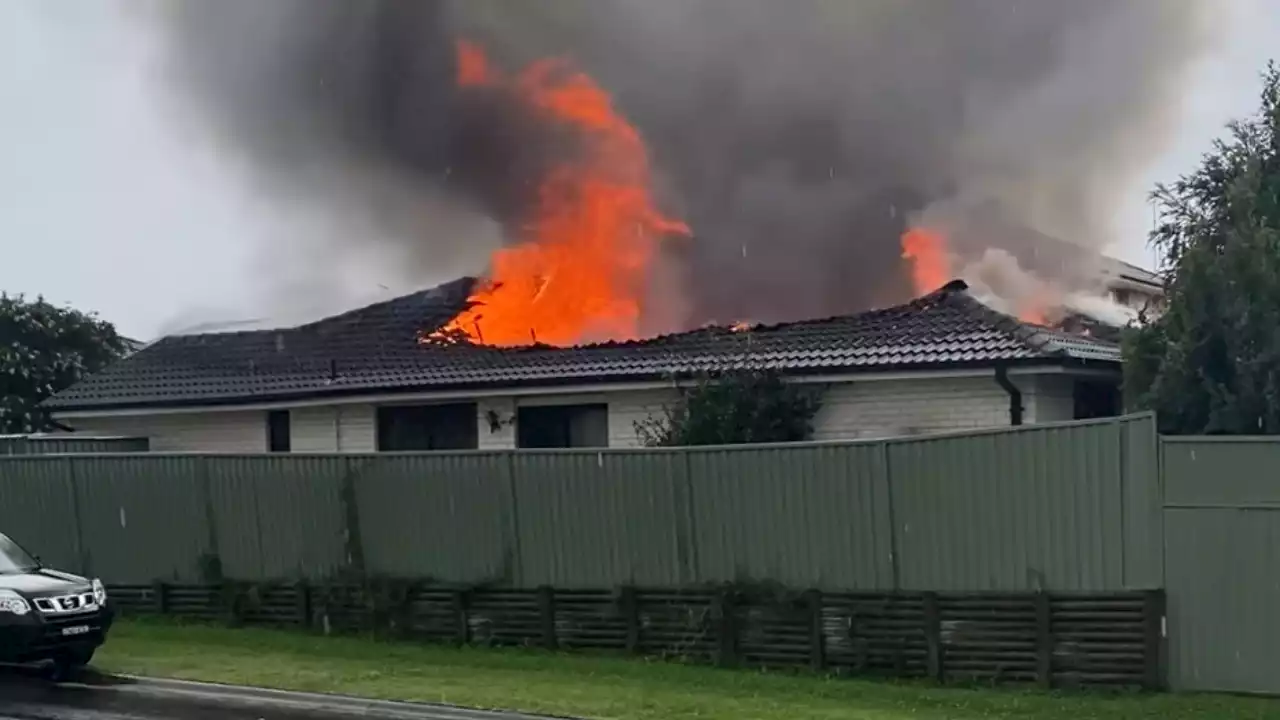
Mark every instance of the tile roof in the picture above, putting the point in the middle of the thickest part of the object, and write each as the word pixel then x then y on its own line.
pixel 374 349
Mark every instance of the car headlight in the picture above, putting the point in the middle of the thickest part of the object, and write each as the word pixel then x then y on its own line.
pixel 99 592
pixel 13 603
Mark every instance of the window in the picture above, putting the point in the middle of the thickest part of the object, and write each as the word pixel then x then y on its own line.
pixel 563 426
pixel 13 559
pixel 278 440
pixel 1096 400
pixel 427 427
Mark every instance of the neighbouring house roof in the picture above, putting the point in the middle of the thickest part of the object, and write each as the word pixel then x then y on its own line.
pixel 1129 271
pixel 375 350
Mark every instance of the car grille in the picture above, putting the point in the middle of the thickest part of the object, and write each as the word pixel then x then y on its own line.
pixel 67 604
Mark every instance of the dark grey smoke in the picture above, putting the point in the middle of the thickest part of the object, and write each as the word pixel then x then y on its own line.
pixel 797 138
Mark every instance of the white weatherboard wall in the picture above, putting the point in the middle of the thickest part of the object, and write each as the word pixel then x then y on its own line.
pixel 196 432
pixel 851 410
pixel 335 428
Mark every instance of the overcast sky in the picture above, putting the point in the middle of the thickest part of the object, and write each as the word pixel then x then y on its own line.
pixel 108 204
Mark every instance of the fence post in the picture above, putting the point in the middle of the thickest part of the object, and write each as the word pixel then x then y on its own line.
pixel 935 662
pixel 1044 640
pixel 461 616
pixel 817 634
pixel 687 523
pixel 511 526
pixel 205 484
pixel 351 514
pixel 860 658
pixel 1153 631
pixel 629 604
pixel 161 599
pixel 895 569
pixel 547 613
pixel 303 599
pixel 722 613
pixel 82 551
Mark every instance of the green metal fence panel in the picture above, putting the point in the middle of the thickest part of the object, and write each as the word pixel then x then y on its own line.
pixel 1221 472
pixel 37 509
pixel 141 517
pixel 1065 507
pixel 1222 541
pixel 60 445
pixel 279 517
pixel 1038 507
pixel 1142 498
pixel 810 516
pixel 443 517
pixel 1223 624
pixel 597 519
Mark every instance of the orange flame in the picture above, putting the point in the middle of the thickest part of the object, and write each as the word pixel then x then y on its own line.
pixel 930 260
pixel 580 268
pixel 473 65
pixel 1033 313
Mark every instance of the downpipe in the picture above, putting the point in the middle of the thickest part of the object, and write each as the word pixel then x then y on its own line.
pixel 1015 395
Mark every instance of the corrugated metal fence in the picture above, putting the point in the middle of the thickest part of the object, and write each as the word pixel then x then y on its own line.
pixel 1222 530
pixel 62 444
pixel 1070 507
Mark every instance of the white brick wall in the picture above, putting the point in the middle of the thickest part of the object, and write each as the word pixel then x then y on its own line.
pixel 882 408
pixel 1051 398
pixel 851 410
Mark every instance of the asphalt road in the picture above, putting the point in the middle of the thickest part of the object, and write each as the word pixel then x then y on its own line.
pixel 26 696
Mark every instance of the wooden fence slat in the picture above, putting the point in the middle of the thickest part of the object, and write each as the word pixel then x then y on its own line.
pixel 1109 639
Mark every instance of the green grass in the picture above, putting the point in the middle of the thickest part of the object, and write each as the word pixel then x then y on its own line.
pixel 596 687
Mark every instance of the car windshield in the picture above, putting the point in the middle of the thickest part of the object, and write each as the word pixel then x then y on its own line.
pixel 13 559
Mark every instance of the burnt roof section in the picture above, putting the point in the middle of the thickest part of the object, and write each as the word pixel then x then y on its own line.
pixel 375 350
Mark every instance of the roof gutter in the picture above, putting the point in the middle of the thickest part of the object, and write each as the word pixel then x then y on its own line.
pixel 1015 395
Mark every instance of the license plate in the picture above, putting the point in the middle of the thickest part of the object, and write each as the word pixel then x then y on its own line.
pixel 75 630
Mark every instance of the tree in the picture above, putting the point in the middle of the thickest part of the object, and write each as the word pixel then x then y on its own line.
pixel 45 349
pixel 735 408
pixel 1210 363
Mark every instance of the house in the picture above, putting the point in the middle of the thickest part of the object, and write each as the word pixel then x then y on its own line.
pixel 362 382
pixel 1134 287
pixel 1053 257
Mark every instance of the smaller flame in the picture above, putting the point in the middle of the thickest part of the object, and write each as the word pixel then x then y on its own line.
pixel 1033 314
pixel 741 326
pixel 473 66
pixel 930 259
pixel 928 252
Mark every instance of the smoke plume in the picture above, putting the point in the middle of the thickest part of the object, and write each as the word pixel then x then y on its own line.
pixel 797 139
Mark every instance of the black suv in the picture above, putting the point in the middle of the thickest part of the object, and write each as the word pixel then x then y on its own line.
pixel 48 616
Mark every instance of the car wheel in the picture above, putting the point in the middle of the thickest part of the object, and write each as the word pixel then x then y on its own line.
pixel 68 667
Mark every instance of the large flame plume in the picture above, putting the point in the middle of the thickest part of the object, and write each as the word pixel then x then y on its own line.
pixel 580 268
pixel 384 158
